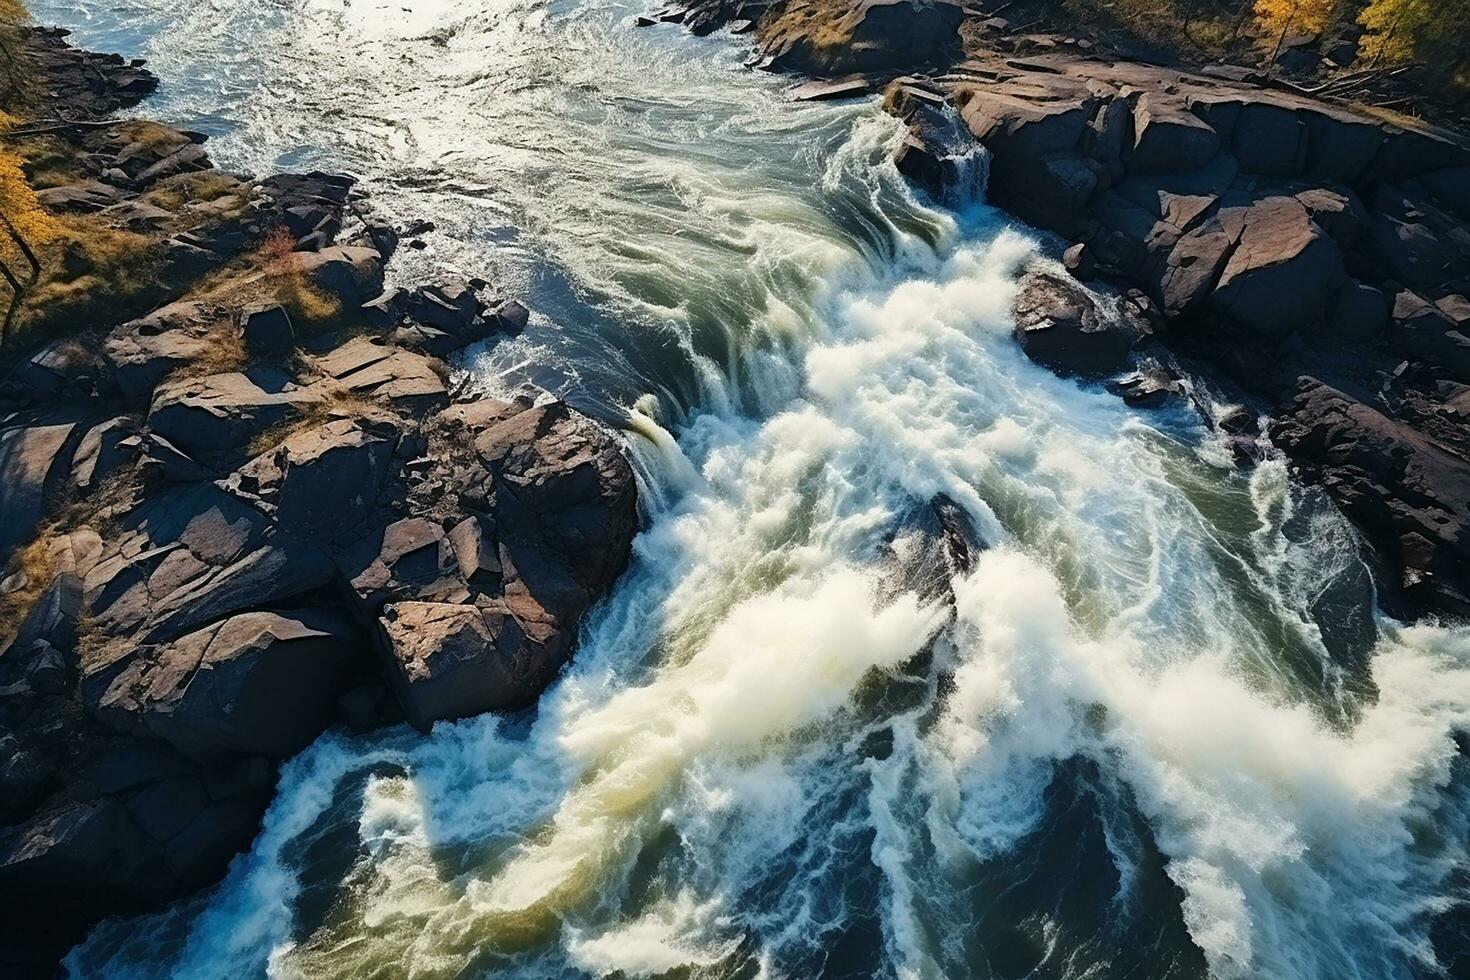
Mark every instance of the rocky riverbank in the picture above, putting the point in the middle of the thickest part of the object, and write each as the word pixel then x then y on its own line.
pixel 1310 259
pixel 240 503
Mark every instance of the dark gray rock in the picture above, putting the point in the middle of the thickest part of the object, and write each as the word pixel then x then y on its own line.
pixel 1168 138
pixel 1059 325
pixel 401 378
pixel 1410 496
pixel 267 331
pixel 217 416
pixel 1360 312
pixel 34 461
pixel 322 481
pixel 256 684
pixel 1284 272
pixel 142 352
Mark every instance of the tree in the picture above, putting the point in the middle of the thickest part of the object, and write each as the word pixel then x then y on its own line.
pixel 24 224
pixel 1435 31
pixel 1276 18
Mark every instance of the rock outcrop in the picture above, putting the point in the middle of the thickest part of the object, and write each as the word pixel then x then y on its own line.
pixel 1263 232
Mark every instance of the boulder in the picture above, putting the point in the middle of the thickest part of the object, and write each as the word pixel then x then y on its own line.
pixel 1409 250
pixel 123 852
pixel 1420 328
pixel 383 311
pixel 1078 261
pixel 85 197
pixel 408 559
pixel 1341 146
pixel 267 331
pixel 217 416
pixel 69 368
pixel 870 36
pixel 484 615
pixel 1191 270
pixel 508 318
pixel 353 273
pixel 1283 273
pixel 449 661
pixel 1456 309
pixel 142 352
pixel 255 684
pixel 1168 138
pixel 107 447
pixel 1269 139
pixel 1182 200
pixel 1035 171
pixel 42 655
pixel 1149 388
pixel 77 859
pixel 850 87
pixel 315 187
pixel 1059 325
pixel 186 159
pixel 451 307
pixel 187 558
pixel 322 481
pixel 138 217
pixel 34 461
pixel 370 368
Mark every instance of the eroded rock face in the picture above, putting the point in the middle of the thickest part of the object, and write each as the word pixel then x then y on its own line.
pixel 142 352
pixel 1410 495
pixel 33 459
pixel 1283 272
pixel 214 416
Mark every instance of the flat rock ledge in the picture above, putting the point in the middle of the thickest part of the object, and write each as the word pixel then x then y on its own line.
pixel 227 529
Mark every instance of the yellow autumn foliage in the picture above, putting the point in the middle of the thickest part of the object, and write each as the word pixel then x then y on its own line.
pixel 1406 30
pixel 1278 19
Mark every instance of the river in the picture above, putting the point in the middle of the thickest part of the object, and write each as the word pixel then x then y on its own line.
pixel 1158 730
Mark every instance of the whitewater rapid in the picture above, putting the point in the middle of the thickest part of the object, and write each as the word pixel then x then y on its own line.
pixel 1157 730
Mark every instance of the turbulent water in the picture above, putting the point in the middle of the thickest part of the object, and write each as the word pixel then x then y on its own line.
pixel 1156 731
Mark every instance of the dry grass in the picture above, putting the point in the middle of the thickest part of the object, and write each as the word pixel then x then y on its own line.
pixel 50 161
pixel 148 135
pixel 826 23
pixel 310 307
pixel 272 273
pixel 225 353
pixel 37 561
pixel 91 275
pixel 199 187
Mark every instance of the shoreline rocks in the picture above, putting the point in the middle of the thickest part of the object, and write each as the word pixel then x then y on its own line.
pixel 251 510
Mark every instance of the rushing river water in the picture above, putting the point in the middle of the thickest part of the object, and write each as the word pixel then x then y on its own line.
pixel 1156 732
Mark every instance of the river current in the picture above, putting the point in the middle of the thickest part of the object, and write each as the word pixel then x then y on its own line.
pixel 1158 730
